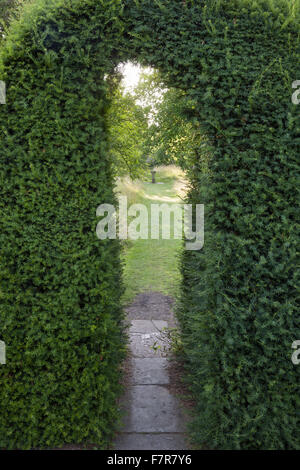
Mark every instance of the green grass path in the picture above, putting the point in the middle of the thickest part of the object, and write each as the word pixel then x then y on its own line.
pixel 153 265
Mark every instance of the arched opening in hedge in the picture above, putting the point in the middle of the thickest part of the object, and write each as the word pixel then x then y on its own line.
pixel 60 287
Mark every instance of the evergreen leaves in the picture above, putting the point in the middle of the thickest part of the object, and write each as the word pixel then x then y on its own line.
pixel 60 309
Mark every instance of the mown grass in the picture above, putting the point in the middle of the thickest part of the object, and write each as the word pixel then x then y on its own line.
pixel 152 265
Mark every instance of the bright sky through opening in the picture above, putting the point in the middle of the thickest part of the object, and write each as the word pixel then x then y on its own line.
pixel 132 74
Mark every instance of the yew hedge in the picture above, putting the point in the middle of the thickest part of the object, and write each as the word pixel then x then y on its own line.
pixel 60 286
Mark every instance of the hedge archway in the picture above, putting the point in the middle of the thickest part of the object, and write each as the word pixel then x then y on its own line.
pixel 60 286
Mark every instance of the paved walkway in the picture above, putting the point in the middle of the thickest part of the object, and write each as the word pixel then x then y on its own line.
pixel 153 418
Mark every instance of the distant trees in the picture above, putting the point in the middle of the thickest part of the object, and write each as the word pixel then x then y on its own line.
pixel 127 125
pixel 153 124
pixel 172 135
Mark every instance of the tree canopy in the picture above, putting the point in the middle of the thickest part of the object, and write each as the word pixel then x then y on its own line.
pixel 127 125
pixel 173 134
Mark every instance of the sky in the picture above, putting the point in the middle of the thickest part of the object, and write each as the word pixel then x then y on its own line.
pixel 132 75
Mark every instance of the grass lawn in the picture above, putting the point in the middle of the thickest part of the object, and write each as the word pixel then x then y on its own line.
pixel 152 265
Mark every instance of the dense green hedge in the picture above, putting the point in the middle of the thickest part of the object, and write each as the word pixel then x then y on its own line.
pixel 60 285
pixel 240 307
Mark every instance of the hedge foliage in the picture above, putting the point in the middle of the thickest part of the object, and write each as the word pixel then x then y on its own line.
pixel 60 286
pixel 60 314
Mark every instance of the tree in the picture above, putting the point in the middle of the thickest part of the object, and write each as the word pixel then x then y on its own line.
pixel 127 125
pixel 173 134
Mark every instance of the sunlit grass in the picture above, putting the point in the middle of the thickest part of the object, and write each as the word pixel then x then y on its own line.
pixel 152 265
pixel 170 171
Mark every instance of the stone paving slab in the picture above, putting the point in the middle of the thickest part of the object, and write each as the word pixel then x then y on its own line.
pixel 148 305
pixel 152 418
pixel 164 441
pixel 152 408
pixel 147 326
pixel 148 345
pixel 150 371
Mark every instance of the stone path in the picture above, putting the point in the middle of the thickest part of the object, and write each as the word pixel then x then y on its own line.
pixel 153 419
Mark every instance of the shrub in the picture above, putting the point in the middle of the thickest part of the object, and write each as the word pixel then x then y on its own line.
pixel 239 310
pixel 60 314
pixel 60 286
